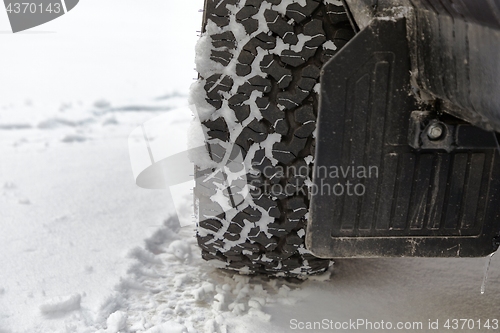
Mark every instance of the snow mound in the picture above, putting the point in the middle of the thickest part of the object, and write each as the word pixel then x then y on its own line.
pixel 170 327
pixel 180 250
pixel 15 126
pixel 102 104
pixel 9 186
pixel 24 201
pixel 58 122
pixel 110 121
pixel 70 138
pixel 116 322
pixel 61 305
pixel 141 108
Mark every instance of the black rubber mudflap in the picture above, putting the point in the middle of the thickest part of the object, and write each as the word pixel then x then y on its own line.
pixel 373 195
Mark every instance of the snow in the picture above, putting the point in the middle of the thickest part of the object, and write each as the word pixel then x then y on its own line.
pixel 61 304
pixel 180 250
pixel 83 249
pixel 116 322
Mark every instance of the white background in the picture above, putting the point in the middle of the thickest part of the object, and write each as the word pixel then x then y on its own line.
pixel 103 48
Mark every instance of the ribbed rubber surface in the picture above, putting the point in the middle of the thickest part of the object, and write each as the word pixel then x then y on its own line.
pixel 426 202
pixel 266 58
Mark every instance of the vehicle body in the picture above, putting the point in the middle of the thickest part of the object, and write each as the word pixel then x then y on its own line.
pixel 394 102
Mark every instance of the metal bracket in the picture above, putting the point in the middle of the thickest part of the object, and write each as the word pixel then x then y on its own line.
pixel 428 132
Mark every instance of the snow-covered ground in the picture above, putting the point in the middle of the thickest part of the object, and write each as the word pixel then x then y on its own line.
pixel 83 249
